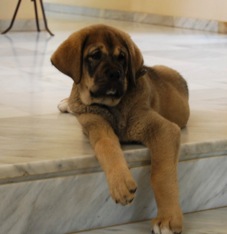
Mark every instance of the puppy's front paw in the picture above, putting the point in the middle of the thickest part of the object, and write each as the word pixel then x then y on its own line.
pixel 63 106
pixel 122 186
pixel 167 224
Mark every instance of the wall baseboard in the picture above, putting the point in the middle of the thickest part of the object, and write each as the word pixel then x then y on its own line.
pixel 21 25
pixel 148 18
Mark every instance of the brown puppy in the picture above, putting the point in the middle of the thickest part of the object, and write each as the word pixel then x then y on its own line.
pixel 117 99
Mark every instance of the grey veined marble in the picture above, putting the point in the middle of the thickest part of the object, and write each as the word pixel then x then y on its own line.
pixel 50 181
pixel 80 202
pixel 206 222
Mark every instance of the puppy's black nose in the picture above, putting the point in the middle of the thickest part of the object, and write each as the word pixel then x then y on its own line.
pixel 114 74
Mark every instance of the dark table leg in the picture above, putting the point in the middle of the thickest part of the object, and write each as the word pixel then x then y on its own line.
pixel 13 19
pixel 44 18
pixel 36 17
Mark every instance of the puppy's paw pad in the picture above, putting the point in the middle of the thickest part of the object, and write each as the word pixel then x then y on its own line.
pixel 63 106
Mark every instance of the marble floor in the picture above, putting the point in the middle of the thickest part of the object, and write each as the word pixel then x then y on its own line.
pixel 36 137
pixel 36 141
pixel 204 222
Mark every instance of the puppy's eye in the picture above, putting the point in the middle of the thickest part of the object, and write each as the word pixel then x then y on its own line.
pixel 96 55
pixel 121 56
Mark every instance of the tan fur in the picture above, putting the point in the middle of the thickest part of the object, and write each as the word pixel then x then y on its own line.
pixel 152 110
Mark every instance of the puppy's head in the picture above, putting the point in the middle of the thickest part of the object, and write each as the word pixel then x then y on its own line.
pixel 103 61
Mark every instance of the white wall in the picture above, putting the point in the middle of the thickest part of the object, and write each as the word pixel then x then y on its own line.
pixel 201 9
pixel 26 10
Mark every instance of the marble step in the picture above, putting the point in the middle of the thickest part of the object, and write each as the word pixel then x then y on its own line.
pixel 203 222
pixel 76 200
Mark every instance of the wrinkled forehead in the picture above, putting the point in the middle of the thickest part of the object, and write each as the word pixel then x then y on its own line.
pixel 107 42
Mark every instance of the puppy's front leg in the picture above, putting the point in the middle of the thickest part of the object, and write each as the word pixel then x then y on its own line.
pixel 163 139
pixel 110 156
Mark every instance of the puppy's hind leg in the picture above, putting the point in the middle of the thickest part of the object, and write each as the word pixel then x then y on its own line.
pixel 162 137
pixel 63 106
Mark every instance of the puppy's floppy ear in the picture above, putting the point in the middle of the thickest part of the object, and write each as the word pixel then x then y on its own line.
pixel 135 64
pixel 68 58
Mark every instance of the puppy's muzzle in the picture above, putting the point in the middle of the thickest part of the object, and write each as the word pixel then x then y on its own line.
pixel 109 90
pixel 114 74
pixel 111 84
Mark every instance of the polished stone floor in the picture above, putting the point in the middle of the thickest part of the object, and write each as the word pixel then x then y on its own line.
pixel 204 222
pixel 33 132
pixel 36 141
